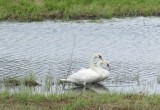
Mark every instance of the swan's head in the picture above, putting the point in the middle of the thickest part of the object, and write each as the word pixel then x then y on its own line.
pixel 105 62
pixel 98 55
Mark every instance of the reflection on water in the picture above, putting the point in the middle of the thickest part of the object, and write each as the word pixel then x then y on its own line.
pixel 95 88
pixel 131 45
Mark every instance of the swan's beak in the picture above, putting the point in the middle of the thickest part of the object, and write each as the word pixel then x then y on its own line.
pixel 108 66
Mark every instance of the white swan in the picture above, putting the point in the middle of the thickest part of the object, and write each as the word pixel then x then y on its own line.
pixel 84 75
pixel 104 73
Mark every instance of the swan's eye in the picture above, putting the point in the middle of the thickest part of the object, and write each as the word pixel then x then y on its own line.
pixel 107 65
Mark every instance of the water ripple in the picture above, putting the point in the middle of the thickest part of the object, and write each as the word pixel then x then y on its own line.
pixel 131 45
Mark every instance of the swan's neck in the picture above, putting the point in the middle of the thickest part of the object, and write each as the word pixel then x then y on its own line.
pixel 99 66
pixel 101 69
pixel 92 65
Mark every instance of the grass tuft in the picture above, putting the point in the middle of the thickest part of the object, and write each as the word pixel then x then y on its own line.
pixel 30 80
pixel 12 82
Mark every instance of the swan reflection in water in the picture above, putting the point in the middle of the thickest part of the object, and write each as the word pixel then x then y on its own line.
pixel 95 88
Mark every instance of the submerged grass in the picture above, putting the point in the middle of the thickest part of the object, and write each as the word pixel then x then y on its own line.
pixel 84 101
pixel 29 80
pixel 12 82
pixel 34 10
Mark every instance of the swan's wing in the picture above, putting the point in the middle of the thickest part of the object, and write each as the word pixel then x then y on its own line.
pixel 85 75
pixel 83 68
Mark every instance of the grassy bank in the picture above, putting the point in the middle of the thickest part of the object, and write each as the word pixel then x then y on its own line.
pixel 88 101
pixel 34 10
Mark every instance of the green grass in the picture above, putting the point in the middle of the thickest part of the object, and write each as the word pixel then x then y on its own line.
pixel 35 10
pixel 84 101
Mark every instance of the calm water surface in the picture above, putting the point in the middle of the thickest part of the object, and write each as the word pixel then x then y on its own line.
pixel 131 45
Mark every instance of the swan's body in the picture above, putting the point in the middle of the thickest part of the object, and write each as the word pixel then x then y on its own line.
pixel 84 75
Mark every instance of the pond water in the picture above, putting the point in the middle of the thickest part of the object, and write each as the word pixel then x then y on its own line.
pixel 55 48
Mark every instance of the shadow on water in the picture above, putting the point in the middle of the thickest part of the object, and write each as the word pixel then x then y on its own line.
pixel 95 88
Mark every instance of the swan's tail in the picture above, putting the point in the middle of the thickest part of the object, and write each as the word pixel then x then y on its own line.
pixel 67 81
pixel 63 80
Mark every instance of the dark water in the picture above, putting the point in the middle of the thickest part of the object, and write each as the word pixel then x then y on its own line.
pixel 131 45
